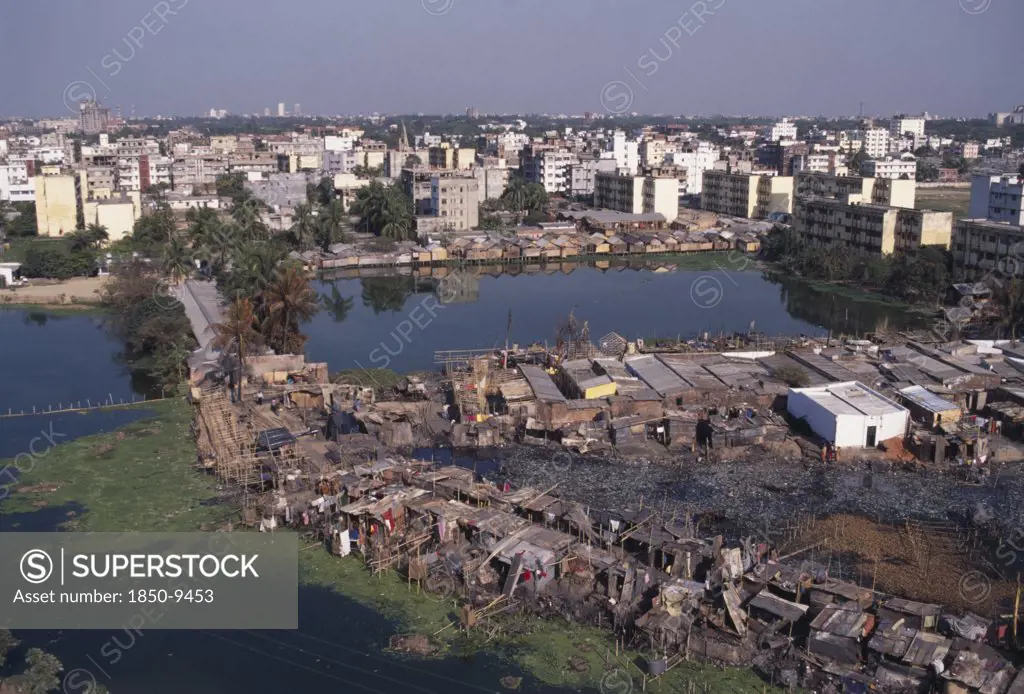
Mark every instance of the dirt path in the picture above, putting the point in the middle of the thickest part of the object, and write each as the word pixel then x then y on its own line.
pixel 81 290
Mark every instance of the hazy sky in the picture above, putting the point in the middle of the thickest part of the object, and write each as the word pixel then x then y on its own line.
pixel 950 57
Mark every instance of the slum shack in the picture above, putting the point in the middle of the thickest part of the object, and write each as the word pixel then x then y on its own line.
pixel 837 633
pixel 841 593
pixel 930 409
pixel 978 668
pixel 582 379
pixel 916 615
pixel 773 612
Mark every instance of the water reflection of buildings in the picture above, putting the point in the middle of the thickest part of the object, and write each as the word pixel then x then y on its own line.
pixel 840 314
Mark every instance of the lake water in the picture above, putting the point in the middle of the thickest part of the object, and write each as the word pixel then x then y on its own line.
pixel 47 359
pixel 399 322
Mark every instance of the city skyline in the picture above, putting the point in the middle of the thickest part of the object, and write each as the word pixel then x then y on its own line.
pixel 174 57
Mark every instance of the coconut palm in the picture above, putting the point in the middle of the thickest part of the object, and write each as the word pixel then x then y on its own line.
pixel 201 222
pixel 303 228
pixel 176 260
pixel 289 301
pixel 1009 299
pixel 237 335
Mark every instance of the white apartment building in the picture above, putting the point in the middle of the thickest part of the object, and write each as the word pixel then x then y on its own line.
pixel 196 169
pixel 136 147
pixel 783 130
pixel 875 142
pixel 904 167
pixel 339 143
pixel 876 191
pixel 142 172
pixel 637 194
pixel 15 183
pixel 900 126
pixel 696 160
pixel 820 162
pixel 550 167
pixel 626 153
pixel 652 152
pixel 998 199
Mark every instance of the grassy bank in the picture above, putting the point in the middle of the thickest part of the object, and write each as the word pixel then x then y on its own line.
pixel 141 477
pixel 847 291
pixel 77 309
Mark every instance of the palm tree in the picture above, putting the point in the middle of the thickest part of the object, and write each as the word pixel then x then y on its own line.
pixel 246 214
pixel 252 270
pixel 385 294
pixel 218 243
pixel 515 195
pixel 289 301
pixel 90 238
pixel 177 260
pixel 237 334
pixel 303 226
pixel 336 305
pixel 201 221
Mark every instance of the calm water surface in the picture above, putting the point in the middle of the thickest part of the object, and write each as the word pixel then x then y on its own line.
pixel 399 322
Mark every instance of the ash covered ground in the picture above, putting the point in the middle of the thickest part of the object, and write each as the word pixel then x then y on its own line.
pixel 765 489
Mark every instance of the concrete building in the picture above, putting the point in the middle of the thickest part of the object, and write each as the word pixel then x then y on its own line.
pixel 779 156
pixel 492 181
pixel 454 201
pixel 549 166
pixel 904 167
pixel 746 195
pixel 56 204
pixel 874 142
pixel 854 223
pixel 830 163
pixel 981 246
pixel 783 130
pixel 901 126
pixel 849 415
pixel 280 110
pixel 887 192
pixel 969 150
pixel 637 194
pixel 445 156
pixel 998 199
pixel 117 214
pixel 16 185
pixel 652 152
pixel 625 152
pixel 416 182
pixel 93 118
pixel 581 174
pixel 696 160
pixel 190 170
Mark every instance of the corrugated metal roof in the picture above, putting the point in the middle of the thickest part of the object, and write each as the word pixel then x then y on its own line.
pixel 927 400
pixel 850 398
pixel 543 387
pixel 658 376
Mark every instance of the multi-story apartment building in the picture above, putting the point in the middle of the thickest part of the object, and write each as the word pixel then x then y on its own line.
pixel 492 181
pixel 115 213
pixel 93 118
pixel 191 170
pixel 874 142
pixel 97 181
pixel 780 155
pixel 224 144
pixel 625 152
pixel 637 194
pixel 696 159
pixel 904 167
pixel 417 183
pixel 998 199
pixel 969 150
pixel 981 246
pixel 873 228
pixel 444 156
pixel 142 172
pixel 753 196
pixel 16 184
pixel 652 151
pixel 887 192
pixel 784 130
pixel 900 126
pixel 341 161
pixel 136 147
pixel 455 202
pixel 830 163
pixel 57 202
pixel 581 174
pixel 548 165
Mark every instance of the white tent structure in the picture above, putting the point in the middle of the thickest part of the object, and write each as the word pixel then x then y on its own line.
pixel 849 415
